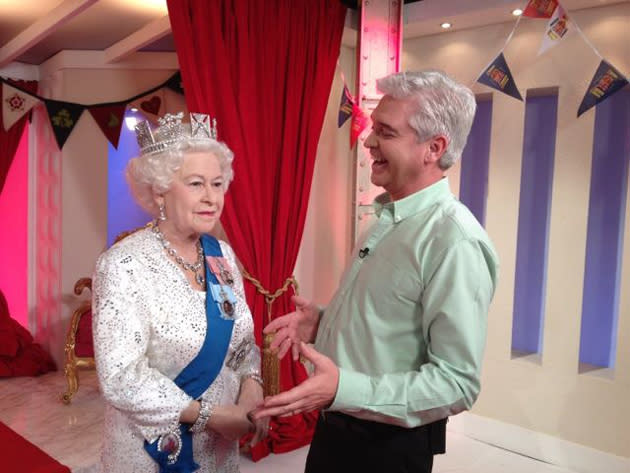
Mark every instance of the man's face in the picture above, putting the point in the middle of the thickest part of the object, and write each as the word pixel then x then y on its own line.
pixel 399 158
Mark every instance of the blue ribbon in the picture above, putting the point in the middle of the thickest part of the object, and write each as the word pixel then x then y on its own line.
pixel 195 378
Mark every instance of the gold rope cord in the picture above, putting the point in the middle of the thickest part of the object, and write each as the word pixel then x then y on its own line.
pixel 270 362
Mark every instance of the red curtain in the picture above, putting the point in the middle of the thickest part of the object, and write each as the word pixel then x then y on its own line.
pixel 264 69
pixel 19 354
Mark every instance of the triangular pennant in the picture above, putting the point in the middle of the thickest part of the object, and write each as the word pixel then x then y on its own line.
pixel 175 83
pixel 15 104
pixel 360 121
pixel 345 107
pixel 109 119
pixel 498 76
pixel 151 106
pixel 606 81
pixel 540 8
pixel 558 28
pixel 63 117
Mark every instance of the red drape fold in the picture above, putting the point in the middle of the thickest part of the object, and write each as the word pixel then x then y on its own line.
pixel 264 70
pixel 19 354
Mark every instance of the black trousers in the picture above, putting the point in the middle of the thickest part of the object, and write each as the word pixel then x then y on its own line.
pixel 345 444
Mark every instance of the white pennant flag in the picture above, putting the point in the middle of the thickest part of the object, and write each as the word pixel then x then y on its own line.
pixel 15 104
pixel 558 28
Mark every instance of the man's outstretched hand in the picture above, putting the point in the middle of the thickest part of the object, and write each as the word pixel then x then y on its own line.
pixel 295 327
pixel 316 392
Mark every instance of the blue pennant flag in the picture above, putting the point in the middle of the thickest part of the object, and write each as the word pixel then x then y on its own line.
pixel 606 81
pixel 498 76
pixel 345 107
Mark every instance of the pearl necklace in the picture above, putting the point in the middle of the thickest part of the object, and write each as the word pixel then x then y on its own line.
pixel 192 267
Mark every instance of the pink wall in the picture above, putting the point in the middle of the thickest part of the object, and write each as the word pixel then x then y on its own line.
pixel 14 234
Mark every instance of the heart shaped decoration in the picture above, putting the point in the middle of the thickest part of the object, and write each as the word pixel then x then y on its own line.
pixel 152 106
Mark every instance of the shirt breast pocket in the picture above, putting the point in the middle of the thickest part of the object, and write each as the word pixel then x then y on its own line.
pixel 393 282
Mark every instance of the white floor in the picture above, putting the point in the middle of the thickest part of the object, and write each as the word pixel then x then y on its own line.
pixel 464 455
pixel 70 434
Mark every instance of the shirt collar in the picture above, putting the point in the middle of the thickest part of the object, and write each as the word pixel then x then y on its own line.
pixel 414 203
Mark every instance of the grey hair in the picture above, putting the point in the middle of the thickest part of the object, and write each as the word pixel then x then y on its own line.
pixel 444 107
pixel 148 174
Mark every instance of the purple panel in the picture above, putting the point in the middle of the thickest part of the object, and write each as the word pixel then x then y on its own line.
pixel 473 186
pixel 123 213
pixel 539 144
pixel 604 241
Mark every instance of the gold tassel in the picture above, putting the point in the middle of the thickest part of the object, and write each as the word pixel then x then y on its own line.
pixel 270 368
pixel 270 361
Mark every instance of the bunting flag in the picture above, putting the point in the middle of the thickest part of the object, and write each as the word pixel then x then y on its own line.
pixel 558 28
pixel 606 81
pixel 498 76
pixel 345 107
pixel 175 83
pixel 15 104
pixel 360 121
pixel 540 8
pixel 63 118
pixel 151 106
pixel 110 120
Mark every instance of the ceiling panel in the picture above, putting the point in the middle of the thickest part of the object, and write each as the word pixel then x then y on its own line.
pixel 15 16
pixel 103 24
pixel 108 21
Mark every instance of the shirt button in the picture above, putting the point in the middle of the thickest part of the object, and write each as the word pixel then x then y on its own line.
pixel 397 218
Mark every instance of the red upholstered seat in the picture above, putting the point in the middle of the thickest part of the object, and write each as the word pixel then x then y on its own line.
pixel 84 345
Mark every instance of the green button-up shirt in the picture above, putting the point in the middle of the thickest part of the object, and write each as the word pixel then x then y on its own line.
pixel 407 326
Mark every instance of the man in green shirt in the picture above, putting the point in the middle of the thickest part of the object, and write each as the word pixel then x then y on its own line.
pixel 400 346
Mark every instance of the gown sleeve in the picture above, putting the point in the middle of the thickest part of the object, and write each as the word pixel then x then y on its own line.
pixel 122 330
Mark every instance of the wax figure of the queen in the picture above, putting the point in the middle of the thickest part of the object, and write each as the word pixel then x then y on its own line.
pixel 173 335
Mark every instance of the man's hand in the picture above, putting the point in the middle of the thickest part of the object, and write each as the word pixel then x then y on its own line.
pixel 294 327
pixel 230 421
pixel 316 392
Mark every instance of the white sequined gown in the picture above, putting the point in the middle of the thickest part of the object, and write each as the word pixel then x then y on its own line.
pixel 148 324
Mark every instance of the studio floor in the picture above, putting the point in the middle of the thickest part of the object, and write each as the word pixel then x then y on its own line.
pixel 71 433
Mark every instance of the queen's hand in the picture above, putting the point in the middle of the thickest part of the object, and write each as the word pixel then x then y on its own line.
pixel 230 421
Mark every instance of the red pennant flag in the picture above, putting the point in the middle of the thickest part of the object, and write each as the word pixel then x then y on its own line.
pixel 540 8
pixel 109 119
pixel 360 121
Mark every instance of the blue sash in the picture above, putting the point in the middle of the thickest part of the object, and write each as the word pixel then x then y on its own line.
pixel 195 378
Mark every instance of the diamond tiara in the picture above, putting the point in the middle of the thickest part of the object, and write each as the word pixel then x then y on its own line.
pixel 171 130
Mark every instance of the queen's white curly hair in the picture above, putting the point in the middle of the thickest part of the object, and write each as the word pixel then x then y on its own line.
pixel 150 174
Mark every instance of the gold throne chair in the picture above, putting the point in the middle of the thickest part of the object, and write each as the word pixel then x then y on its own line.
pixel 79 348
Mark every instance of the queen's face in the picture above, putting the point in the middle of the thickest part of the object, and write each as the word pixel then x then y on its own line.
pixel 194 202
